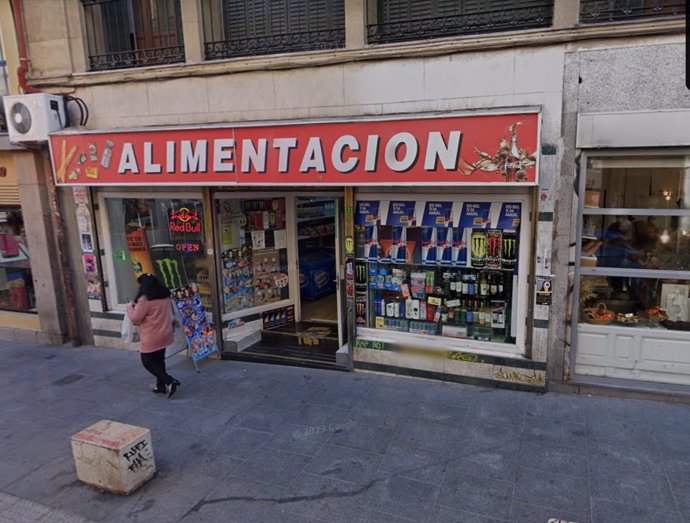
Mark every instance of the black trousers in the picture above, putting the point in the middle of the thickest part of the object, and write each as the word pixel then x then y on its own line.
pixel 154 362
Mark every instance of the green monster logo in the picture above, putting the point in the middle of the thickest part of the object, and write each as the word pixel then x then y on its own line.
pixel 478 249
pixel 509 250
pixel 169 270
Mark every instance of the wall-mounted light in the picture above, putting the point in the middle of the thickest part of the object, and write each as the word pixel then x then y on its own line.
pixel 666 194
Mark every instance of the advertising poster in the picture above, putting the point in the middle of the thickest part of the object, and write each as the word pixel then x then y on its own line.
pixel 437 214
pixel 510 216
pixel 401 213
pixel 544 292
pixel 367 212
pixel 138 248
pixel 201 338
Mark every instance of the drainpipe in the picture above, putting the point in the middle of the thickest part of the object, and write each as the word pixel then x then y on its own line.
pixel 23 68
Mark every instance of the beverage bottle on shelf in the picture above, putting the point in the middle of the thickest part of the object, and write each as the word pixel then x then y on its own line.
pixel 483 284
pixel 463 313
pixel 501 289
pixel 470 313
pixel 493 284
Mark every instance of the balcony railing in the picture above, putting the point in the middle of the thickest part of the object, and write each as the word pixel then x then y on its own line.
pixel 274 44
pixel 534 15
pixel 133 33
pixel 601 11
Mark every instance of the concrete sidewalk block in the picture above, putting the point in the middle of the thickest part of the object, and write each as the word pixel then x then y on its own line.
pixel 113 456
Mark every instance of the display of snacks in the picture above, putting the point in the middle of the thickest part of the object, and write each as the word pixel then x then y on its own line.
pixel 599 315
pixel 627 319
pixel 654 314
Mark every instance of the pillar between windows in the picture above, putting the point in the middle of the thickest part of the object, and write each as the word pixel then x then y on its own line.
pixel 355 23
pixel 566 13
pixel 190 11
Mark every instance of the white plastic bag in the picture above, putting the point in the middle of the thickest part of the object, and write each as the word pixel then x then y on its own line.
pixel 129 332
pixel 180 342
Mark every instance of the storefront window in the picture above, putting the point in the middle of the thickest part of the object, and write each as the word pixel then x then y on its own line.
pixel 16 283
pixel 635 243
pixel 253 245
pixel 160 236
pixel 438 268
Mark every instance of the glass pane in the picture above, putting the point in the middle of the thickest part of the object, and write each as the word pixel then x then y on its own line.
pixel 636 242
pixel 16 283
pixel 644 183
pixel 639 302
pixel 164 237
pixel 438 268
pixel 253 241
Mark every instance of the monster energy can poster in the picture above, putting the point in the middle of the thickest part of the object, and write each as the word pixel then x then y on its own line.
pixel 168 266
pixel 200 336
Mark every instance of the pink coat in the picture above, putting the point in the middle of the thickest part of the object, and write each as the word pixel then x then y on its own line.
pixel 155 323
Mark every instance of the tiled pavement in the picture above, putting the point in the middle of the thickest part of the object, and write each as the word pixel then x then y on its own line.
pixel 248 442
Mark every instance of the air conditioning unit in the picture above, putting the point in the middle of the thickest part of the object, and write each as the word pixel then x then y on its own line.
pixel 31 117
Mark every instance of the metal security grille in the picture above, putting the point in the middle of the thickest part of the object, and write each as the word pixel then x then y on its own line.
pixel 133 33
pixel 235 28
pixel 404 20
pixel 597 11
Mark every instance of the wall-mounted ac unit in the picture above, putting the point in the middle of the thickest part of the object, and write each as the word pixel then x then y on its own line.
pixel 31 117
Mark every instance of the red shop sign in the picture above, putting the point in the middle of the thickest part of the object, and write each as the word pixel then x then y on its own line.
pixel 453 150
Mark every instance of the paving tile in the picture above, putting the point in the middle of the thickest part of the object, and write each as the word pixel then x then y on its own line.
pixel 319 415
pixel 299 439
pixel 535 487
pixel 524 513
pixel 379 414
pixel 606 511
pixel 555 433
pixel 446 515
pixel 328 499
pixel 557 407
pixel 480 436
pixel 553 458
pixel 426 434
pixel 272 466
pixel 342 397
pixel 496 464
pixel 236 500
pixel 41 484
pixel 363 437
pixel 677 470
pixel 264 419
pixel 476 494
pixel 240 443
pixel 498 408
pixel 622 486
pixel 424 465
pixel 402 497
pixel 352 465
pixel 638 458
pixel 453 416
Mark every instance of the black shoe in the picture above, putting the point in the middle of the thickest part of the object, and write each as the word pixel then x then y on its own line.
pixel 160 391
pixel 173 388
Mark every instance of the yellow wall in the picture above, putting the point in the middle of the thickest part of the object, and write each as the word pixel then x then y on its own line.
pixel 9 45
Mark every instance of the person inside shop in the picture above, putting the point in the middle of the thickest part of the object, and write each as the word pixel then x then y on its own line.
pixel 619 251
pixel 152 311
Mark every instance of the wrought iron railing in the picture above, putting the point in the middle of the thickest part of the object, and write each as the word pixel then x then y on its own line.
pixel 128 59
pixel 275 44
pixel 598 11
pixel 531 17
pixel 133 33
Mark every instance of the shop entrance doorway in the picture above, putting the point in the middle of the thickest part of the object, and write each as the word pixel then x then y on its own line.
pixel 316 255
pixel 279 255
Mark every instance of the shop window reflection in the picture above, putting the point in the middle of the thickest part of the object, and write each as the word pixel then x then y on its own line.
pixel 16 282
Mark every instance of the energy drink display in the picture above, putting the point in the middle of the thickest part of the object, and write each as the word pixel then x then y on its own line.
pixel 478 245
pixel 450 273
pixel 493 248
pixel 509 249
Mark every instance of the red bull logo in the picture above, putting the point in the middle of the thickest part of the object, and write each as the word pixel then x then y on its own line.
pixel 184 220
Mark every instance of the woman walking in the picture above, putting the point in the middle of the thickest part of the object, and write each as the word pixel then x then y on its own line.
pixel 151 310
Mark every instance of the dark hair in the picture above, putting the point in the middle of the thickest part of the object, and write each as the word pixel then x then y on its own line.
pixel 152 288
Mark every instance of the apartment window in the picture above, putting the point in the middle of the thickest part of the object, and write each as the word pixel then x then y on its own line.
pixel 597 11
pixel 405 20
pixel 234 28
pixel 133 33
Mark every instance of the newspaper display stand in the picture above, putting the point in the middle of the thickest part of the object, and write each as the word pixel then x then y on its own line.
pixel 197 331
